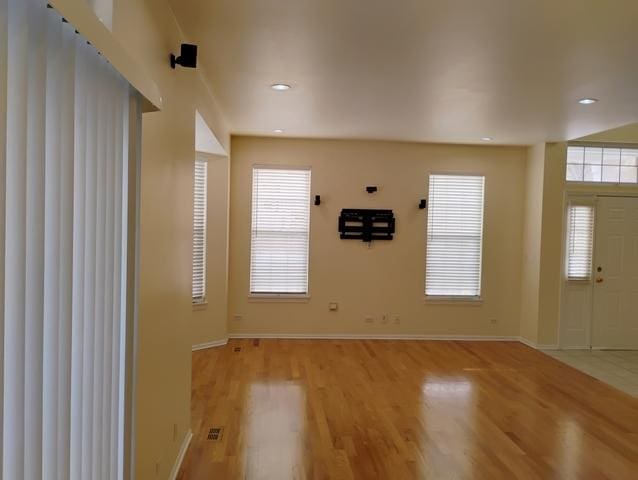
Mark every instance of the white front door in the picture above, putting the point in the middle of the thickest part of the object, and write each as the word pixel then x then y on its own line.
pixel 615 313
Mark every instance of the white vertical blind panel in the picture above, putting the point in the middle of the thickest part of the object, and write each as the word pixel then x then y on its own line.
pixel 200 222
pixel 63 164
pixel 65 285
pixel 280 231
pixel 15 242
pixel 36 101
pixel 454 236
pixel 580 243
pixel 3 153
pixel 52 251
pixel 80 188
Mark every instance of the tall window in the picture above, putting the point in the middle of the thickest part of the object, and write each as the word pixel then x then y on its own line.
pixel 454 236
pixel 580 241
pixel 280 231
pixel 602 164
pixel 64 256
pixel 200 222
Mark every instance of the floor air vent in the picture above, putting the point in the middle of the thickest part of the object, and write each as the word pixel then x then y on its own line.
pixel 215 434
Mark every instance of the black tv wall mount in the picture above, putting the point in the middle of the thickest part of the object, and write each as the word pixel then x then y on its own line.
pixel 366 224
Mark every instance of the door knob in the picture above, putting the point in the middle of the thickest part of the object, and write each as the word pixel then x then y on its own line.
pixel 599 280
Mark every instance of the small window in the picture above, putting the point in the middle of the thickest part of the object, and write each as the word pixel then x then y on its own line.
pixel 280 231
pixel 607 164
pixel 454 236
pixel 200 222
pixel 580 241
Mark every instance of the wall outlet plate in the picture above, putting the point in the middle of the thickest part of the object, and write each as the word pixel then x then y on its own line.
pixel 333 306
pixel 369 320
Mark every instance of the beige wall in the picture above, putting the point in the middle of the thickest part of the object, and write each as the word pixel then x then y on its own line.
pixel 533 217
pixel 389 277
pixel 209 321
pixel 551 243
pixel 150 33
pixel 543 243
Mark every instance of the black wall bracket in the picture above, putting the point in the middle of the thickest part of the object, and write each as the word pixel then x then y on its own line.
pixel 317 200
pixel 423 204
pixel 366 225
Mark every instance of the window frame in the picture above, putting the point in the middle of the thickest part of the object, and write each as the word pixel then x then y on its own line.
pixel 279 297
pixel 593 183
pixel 200 301
pixel 455 299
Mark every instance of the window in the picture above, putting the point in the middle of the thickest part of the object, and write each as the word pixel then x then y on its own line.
pixel 69 120
pixel 454 236
pixel 199 230
pixel 602 164
pixel 280 231
pixel 580 241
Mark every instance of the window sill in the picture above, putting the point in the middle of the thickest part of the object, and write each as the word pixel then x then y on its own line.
pixel 278 298
pixel 469 301
pixel 200 306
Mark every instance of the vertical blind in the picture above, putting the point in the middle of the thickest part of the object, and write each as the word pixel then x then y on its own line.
pixel 280 231
pixel 63 184
pixel 454 236
pixel 199 230
pixel 580 241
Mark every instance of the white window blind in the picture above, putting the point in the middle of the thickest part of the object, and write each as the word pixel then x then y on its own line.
pixel 280 231
pixel 200 222
pixel 64 142
pixel 454 236
pixel 580 241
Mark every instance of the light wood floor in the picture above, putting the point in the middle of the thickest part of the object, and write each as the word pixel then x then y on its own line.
pixel 401 410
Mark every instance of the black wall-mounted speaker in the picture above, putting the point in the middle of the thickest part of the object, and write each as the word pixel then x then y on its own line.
pixel 187 58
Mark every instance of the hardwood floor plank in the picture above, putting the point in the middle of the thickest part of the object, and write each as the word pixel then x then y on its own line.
pixel 337 409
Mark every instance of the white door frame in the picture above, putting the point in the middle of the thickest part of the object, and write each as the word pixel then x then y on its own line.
pixel 594 195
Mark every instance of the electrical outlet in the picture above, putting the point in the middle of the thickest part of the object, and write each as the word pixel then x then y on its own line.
pixel 493 321
pixel 397 320
pixel 385 319
pixel 333 306
pixel 238 318
pixel 369 320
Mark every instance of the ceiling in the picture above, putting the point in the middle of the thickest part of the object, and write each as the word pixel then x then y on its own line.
pixel 419 70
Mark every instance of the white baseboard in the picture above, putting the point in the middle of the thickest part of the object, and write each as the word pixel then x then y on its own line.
pixel 536 346
pixel 214 343
pixel 381 336
pixel 180 456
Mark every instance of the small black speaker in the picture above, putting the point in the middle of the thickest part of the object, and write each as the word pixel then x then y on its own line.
pixel 187 58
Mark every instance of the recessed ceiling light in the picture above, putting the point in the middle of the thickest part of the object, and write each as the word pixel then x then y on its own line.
pixel 280 87
pixel 486 139
pixel 587 101
pixel 279 130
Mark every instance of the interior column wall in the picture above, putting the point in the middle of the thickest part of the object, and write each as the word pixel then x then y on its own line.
pixel 150 33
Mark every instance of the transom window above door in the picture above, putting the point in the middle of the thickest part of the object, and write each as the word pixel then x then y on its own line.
pixel 602 164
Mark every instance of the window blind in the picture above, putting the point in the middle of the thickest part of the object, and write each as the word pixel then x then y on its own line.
pixel 454 236
pixel 199 230
pixel 63 259
pixel 280 231
pixel 580 241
